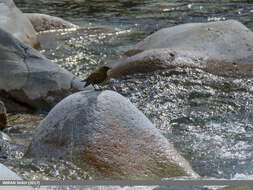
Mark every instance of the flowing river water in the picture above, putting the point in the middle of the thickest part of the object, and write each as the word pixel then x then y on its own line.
pixel 208 118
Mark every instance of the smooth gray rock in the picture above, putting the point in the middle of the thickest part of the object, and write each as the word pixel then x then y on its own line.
pixel 42 22
pixel 230 39
pixel 147 61
pixel 106 135
pixel 13 21
pixel 29 81
pixel 223 48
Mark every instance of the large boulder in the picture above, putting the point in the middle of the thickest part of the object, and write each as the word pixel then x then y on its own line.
pixel 223 48
pixel 29 81
pixel 13 21
pixel 106 135
pixel 43 22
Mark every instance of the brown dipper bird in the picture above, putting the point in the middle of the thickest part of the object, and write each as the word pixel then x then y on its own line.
pixel 3 117
pixel 99 76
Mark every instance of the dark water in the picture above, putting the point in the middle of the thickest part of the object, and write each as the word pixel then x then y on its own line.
pixel 208 118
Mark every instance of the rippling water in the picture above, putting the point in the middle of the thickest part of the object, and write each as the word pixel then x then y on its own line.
pixel 208 118
pixel 144 15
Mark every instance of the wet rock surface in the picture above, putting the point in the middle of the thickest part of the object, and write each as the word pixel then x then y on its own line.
pixel 223 48
pixel 42 22
pixel 29 81
pixel 104 133
pixel 13 21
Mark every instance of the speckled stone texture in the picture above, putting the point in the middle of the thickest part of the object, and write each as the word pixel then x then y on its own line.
pixel 105 134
